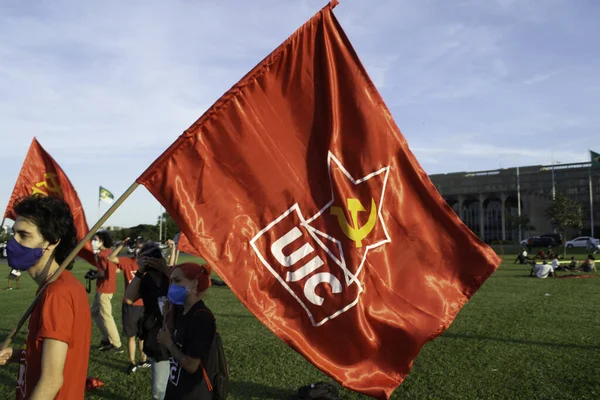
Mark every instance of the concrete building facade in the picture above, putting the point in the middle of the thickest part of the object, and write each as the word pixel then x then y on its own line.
pixel 487 201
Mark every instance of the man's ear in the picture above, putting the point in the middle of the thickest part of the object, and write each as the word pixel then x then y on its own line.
pixel 52 246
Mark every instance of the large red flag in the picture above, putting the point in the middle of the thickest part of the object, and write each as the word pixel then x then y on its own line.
pixel 40 174
pixel 185 246
pixel 301 192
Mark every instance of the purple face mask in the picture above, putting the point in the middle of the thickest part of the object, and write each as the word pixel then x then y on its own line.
pixel 20 257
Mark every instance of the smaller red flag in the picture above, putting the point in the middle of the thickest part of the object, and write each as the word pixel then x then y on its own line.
pixel 40 174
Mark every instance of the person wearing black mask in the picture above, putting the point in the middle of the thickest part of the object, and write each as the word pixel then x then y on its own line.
pixel 151 283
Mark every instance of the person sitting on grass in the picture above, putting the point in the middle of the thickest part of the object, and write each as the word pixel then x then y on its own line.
pixel 557 267
pixel 521 257
pixel 573 264
pixel 589 265
pixel 541 255
pixel 556 264
pixel 542 270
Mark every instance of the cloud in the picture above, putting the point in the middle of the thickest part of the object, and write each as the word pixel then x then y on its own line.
pixel 537 78
pixel 500 156
pixel 107 87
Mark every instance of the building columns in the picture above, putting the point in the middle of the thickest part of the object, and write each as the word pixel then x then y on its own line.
pixel 481 219
pixel 461 201
pixel 503 214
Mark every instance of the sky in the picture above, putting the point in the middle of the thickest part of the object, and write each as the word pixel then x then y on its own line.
pixel 107 86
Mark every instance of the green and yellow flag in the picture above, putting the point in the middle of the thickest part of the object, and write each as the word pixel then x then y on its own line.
pixel 595 159
pixel 106 195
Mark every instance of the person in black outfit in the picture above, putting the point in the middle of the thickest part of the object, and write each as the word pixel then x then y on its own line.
pixel 194 330
pixel 522 257
pixel 151 283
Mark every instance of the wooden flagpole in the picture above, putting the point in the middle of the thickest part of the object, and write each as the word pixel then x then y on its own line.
pixel 67 261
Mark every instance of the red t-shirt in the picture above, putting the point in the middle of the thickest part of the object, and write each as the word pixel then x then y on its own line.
pixel 129 267
pixel 108 284
pixel 63 313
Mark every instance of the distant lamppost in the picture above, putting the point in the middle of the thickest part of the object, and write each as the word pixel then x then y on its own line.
pixel 519 202
pixel 552 167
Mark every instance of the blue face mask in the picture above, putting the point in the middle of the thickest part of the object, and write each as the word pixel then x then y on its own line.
pixel 20 257
pixel 177 294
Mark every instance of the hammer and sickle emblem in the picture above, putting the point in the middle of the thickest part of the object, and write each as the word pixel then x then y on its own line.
pixel 50 183
pixel 356 233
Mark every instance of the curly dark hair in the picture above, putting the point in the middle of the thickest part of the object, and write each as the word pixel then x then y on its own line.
pixel 54 219
pixel 150 249
pixel 106 239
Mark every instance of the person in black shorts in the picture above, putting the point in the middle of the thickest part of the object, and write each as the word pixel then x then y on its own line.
pixel 131 313
pixel 194 330
pixel 151 284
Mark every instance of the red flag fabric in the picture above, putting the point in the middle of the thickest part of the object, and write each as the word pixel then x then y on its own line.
pixel 40 174
pixel 185 246
pixel 301 192
pixel 92 383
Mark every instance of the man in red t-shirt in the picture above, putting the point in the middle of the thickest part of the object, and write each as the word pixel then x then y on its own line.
pixel 131 313
pixel 106 286
pixel 54 363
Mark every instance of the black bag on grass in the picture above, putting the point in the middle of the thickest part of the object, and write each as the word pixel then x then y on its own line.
pixel 319 391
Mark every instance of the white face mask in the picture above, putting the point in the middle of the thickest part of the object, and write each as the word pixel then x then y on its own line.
pixel 96 246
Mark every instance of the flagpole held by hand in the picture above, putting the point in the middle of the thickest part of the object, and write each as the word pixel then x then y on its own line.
pixel 67 261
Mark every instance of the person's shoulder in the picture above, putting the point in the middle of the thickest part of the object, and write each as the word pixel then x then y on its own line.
pixel 67 286
pixel 202 314
pixel 103 256
pixel 105 253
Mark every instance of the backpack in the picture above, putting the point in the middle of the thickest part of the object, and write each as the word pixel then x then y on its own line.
pixel 318 391
pixel 214 367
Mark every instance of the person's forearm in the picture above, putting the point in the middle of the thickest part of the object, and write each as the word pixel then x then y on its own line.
pixel 113 256
pixel 133 290
pixel 189 364
pixel 172 257
pixel 46 388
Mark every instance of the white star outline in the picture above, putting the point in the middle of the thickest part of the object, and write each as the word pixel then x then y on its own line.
pixel 350 278
pixel 315 233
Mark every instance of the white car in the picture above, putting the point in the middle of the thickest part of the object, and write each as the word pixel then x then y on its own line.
pixel 581 241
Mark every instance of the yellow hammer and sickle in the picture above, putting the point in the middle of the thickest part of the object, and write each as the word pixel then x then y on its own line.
pixel 35 190
pixel 356 233
pixel 50 183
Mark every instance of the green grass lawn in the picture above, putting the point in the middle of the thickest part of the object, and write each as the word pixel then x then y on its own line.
pixel 518 338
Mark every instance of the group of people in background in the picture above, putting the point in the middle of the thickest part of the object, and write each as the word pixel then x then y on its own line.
pixel 163 313
pixel 546 269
